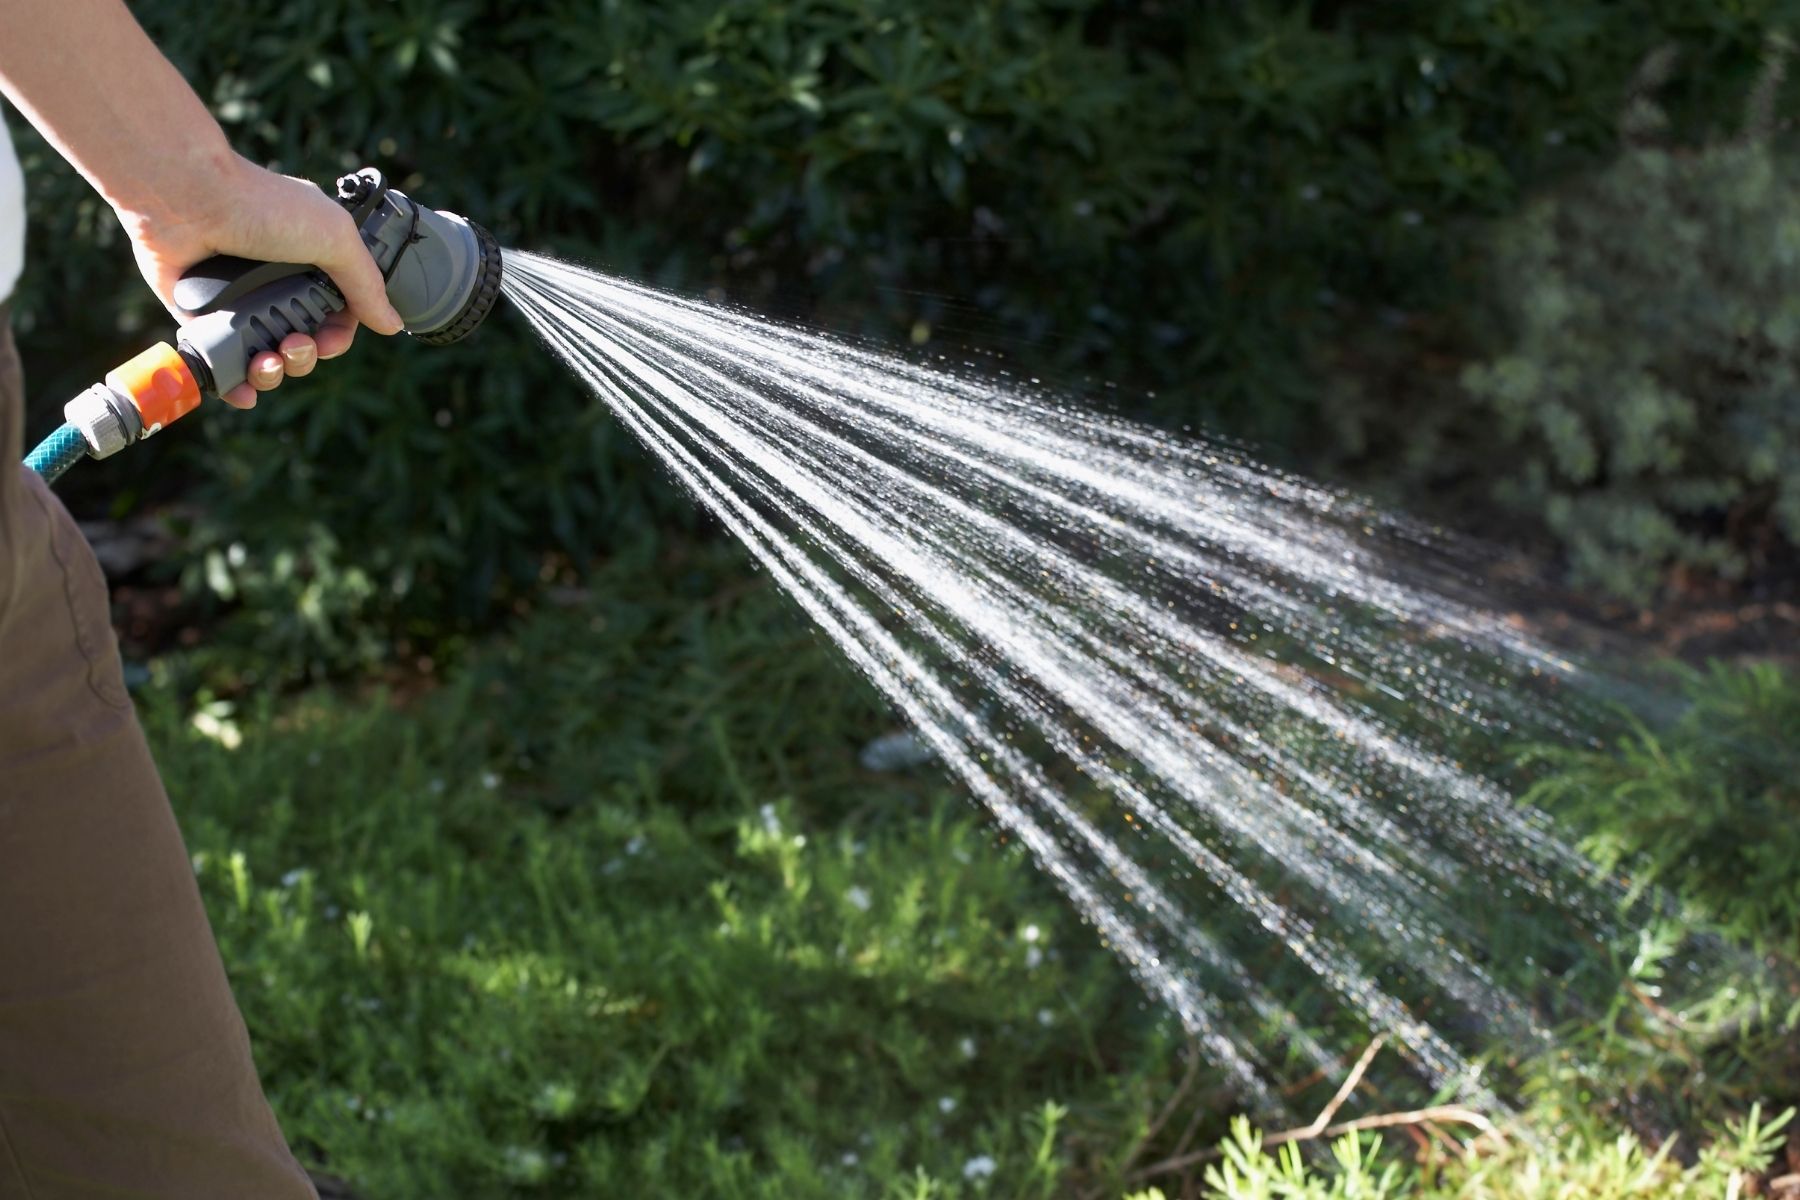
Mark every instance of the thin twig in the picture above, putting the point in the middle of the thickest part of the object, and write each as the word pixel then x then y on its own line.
pixel 1187 1134
pixel 1187 1082
pixel 1343 1092
pixel 1194 1059
pixel 1313 1130
pixel 1454 1113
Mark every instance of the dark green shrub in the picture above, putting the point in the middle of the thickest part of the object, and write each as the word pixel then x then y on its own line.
pixel 1180 196
pixel 1649 400
pixel 1707 808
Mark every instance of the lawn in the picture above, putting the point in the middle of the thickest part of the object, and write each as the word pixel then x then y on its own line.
pixel 615 910
pixel 611 906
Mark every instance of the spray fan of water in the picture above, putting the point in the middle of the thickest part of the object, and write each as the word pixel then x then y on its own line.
pixel 1236 717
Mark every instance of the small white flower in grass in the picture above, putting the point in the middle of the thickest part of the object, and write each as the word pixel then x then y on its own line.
pixel 979 1167
pixel 849 1158
pixel 525 1164
pixel 771 820
pixel 947 1104
pixel 212 722
pixel 966 1047
pixel 1031 933
pixel 1046 1017
pixel 436 787
pixel 858 898
pixel 293 877
pixel 636 844
pixel 489 780
pixel 1033 958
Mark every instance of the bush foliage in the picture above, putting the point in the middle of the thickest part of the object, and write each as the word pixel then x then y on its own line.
pixel 1590 1163
pixel 1708 806
pixel 1649 399
pixel 1180 196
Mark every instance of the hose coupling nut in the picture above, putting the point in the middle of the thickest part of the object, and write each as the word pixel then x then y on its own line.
pixel 107 421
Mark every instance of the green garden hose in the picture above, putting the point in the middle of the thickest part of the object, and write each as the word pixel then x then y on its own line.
pixel 58 452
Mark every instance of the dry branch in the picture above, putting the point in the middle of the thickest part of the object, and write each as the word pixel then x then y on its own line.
pixel 1321 1125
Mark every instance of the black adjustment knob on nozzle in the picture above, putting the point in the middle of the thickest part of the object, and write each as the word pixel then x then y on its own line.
pixel 361 192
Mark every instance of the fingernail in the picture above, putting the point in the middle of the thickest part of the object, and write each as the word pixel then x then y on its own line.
pixel 394 318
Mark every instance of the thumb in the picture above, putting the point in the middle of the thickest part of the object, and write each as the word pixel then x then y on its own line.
pixel 354 272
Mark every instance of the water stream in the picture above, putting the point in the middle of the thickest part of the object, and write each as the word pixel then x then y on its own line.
pixel 1254 728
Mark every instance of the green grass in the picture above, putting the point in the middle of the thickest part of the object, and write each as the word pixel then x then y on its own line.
pixel 615 911
pixel 612 909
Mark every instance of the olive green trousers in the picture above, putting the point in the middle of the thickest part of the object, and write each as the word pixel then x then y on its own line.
pixel 125 1069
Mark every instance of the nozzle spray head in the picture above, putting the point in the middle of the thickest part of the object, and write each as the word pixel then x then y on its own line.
pixel 442 271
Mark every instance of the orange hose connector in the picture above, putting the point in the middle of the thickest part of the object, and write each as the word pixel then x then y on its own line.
pixel 159 383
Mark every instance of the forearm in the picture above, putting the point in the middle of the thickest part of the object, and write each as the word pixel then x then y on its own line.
pixel 86 75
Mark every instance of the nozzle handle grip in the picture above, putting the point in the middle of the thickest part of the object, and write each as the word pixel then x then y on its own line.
pixel 224 279
pixel 225 340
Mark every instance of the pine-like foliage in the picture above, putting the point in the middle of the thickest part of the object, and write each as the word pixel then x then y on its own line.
pixel 1709 806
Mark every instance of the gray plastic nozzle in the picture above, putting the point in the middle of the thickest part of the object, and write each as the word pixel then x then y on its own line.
pixel 442 271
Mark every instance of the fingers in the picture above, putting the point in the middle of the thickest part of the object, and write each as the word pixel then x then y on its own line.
pixel 299 355
pixel 348 263
pixel 335 335
pixel 296 357
pixel 266 371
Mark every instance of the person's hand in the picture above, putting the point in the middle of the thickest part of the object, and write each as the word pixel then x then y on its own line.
pixel 255 213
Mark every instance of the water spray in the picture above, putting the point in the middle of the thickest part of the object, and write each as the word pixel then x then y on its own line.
pixel 443 277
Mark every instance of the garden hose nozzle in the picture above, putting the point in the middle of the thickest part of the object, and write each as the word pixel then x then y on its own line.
pixel 443 277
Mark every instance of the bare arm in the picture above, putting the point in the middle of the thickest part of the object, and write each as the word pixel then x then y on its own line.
pixel 86 75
